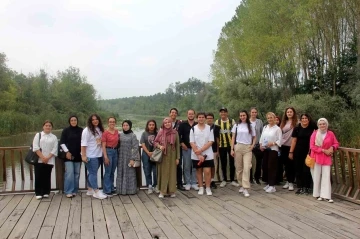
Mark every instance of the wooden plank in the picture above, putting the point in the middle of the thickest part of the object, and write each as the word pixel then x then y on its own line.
pixel 127 230
pixel 186 207
pixel 181 229
pixel 87 225
pixel 5 213
pixel 218 236
pixel 186 220
pixel 52 213
pixel 22 224
pixel 281 219
pixel 338 223
pixel 10 223
pixel 303 214
pixel 149 221
pixel 62 219
pixel 45 233
pixel 238 225
pixel 74 224
pixel 99 219
pixel 136 220
pixel 37 220
pixel 4 201
pixel 111 220
pixel 267 226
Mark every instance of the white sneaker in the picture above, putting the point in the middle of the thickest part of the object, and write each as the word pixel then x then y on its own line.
pixel 286 186
pixel 187 187
pixel 291 187
pixel 235 184
pixel 320 199
pixel 222 184
pixel 38 197
pixel 241 190
pixel 156 190
pixel 99 195
pixel 161 195
pixel 271 189
pixel 46 196
pixel 90 192
pixel 266 187
pixel 201 191
pixel 208 192
pixel 195 187
pixel 173 195
pixel 108 195
pixel 246 193
pixel 150 190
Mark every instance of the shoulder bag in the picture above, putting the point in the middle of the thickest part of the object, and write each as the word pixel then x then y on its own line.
pixel 31 157
pixel 309 161
pixel 156 156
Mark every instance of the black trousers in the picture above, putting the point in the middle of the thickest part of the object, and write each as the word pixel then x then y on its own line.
pixel 223 153
pixel 303 175
pixel 42 178
pixel 179 171
pixel 259 158
pixel 270 166
pixel 289 164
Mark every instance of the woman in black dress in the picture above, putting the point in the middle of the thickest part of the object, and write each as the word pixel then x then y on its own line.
pixel 299 149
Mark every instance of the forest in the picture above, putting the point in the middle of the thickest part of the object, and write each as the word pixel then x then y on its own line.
pixel 274 54
pixel 26 101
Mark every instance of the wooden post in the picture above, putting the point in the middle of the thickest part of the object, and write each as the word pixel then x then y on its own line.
pixel 59 173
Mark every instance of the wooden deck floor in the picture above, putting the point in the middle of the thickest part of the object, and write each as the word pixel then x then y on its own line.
pixel 226 214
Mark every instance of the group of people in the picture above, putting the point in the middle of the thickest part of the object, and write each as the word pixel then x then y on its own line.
pixel 193 150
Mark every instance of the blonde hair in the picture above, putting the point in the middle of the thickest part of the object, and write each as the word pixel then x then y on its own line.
pixel 270 113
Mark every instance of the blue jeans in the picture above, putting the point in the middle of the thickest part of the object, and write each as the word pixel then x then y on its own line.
pixel 149 167
pixel 189 170
pixel 110 170
pixel 71 177
pixel 92 166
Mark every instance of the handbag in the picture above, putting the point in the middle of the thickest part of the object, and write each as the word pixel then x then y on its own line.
pixel 31 157
pixel 156 156
pixel 61 153
pixel 309 161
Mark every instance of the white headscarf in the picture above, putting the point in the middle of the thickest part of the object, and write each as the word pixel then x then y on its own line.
pixel 319 139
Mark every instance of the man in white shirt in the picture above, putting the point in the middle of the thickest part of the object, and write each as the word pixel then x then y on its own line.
pixel 201 139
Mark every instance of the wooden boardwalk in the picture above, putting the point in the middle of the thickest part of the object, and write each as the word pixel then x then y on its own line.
pixel 226 214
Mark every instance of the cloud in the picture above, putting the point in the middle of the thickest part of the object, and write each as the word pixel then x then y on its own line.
pixel 147 61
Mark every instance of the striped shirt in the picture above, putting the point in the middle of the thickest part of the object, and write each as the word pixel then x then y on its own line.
pixel 225 132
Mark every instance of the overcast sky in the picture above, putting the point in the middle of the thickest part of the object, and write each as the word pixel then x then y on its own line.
pixel 124 47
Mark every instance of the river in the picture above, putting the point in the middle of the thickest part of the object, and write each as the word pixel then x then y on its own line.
pixel 25 139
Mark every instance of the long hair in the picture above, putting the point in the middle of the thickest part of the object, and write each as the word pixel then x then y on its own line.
pixel 247 120
pixel 91 127
pixel 285 118
pixel 147 126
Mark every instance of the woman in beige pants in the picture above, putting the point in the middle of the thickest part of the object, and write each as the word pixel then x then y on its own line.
pixel 243 141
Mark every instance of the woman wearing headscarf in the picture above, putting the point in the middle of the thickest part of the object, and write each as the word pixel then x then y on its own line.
pixel 323 143
pixel 70 142
pixel 126 182
pixel 168 141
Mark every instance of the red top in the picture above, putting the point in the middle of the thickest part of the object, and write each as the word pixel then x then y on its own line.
pixel 110 139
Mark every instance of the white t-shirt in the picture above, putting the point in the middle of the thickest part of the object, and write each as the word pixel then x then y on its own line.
pixel 93 149
pixel 200 138
pixel 48 145
pixel 243 136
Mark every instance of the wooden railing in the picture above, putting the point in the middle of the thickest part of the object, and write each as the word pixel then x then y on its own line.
pixel 346 174
pixel 18 176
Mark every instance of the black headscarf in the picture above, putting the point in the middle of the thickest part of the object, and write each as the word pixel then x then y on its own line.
pixel 130 126
pixel 77 120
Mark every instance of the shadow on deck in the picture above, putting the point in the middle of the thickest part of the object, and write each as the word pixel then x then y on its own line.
pixel 226 214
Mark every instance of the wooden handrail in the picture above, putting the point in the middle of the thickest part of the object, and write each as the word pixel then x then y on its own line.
pixel 27 172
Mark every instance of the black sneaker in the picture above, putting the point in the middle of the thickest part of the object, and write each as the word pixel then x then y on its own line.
pixel 252 181
pixel 181 187
pixel 257 181
pixel 299 191
pixel 307 191
pixel 213 185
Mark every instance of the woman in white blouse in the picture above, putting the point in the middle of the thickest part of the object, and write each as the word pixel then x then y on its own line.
pixel 243 141
pixel 270 141
pixel 46 149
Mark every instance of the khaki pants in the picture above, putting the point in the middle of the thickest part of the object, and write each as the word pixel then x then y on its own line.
pixel 243 158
